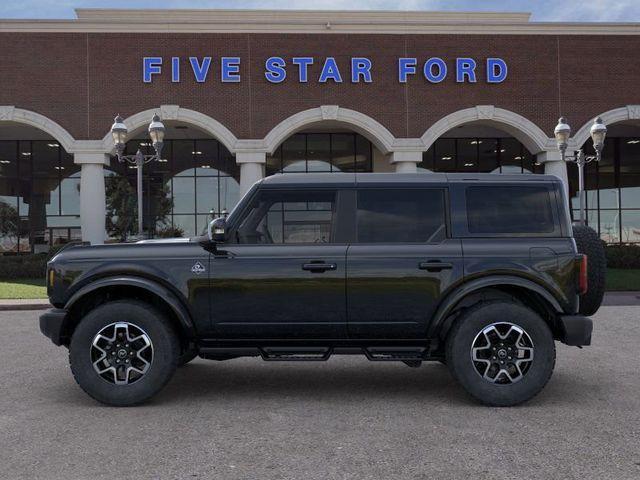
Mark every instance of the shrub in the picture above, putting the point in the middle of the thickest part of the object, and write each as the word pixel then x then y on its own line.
pixel 23 266
pixel 26 266
pixel 623 256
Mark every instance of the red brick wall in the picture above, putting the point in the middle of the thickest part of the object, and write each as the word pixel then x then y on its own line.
pixel 82 80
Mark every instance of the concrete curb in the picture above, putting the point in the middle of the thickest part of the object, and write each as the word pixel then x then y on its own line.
pixel 27 304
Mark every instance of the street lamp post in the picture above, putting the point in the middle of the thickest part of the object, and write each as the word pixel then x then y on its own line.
pixel 562 133
pixel 119 133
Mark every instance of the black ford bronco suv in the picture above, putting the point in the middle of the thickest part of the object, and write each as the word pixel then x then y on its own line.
pixel 480 272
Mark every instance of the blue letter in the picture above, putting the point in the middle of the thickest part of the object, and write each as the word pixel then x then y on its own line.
pixel 150 66
pixel 496 70
pixel 465 66
pixel 275 69
pixel 406 66
pixel 303 65
pixel 360 66
pixel 175 69
pixel 330 71
pixel 200 71
pixel 230 69
pixel 428 70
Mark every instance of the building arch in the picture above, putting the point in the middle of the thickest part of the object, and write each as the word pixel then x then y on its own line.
pixel 178 114
pixel 629 112
pixel 373 130
pixel 10 113
pixel 521 128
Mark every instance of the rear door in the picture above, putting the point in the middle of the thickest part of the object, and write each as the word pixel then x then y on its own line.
pixel 402 261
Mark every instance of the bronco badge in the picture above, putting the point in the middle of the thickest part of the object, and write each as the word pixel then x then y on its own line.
pixel 198 268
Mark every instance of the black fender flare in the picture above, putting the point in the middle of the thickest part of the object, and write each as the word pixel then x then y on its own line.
pixel 439 324
pixel 166 295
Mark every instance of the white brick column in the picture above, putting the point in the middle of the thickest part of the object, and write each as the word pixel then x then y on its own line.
pixel 251 168
pixel 553 165
pixel 92 195
pixel 406 162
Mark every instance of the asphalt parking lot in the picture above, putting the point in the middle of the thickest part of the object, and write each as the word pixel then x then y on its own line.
pixel 341 419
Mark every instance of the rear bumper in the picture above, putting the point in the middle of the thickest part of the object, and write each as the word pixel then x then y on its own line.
pixel 51 324
pixel 576 330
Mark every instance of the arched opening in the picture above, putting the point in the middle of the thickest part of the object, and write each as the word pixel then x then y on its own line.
pixel 197 179
pixel 478 146
pixel 328 139
pixel 612 185
pixel 39 190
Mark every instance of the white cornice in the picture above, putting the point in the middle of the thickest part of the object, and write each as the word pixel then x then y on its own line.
pixel 302 21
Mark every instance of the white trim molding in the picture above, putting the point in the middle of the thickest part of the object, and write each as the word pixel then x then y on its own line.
pixel 363 124
pixel 179 114
pixel 10 113
pixel 309 21
pixel 629 112
pixel 531 136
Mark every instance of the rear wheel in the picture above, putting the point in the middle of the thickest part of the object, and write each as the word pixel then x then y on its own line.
pixel 589 244
pixel 502 353
pixel 122 353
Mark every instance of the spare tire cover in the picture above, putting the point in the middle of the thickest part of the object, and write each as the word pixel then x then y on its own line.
pixel 589 243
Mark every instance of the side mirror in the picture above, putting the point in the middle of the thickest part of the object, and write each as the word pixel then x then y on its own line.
pixel 217 230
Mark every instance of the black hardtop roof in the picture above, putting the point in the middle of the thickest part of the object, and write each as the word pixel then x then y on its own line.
pixel 352 179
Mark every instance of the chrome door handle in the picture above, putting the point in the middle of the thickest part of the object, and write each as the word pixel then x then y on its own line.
pixel 435 266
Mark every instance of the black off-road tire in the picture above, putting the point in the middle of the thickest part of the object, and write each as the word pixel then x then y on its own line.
pixel 469 326
pixel 589 244
pixel 165 345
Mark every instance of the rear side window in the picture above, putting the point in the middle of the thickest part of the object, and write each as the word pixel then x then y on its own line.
pixel 498 209
pixel 401 216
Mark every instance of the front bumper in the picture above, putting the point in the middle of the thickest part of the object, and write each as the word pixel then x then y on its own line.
pixel 52 324
pixel 575 330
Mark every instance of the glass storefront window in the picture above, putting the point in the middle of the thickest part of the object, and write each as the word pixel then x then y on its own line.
pixel 613 190
pixel 199 178
pixel 322 152
pixel 39 195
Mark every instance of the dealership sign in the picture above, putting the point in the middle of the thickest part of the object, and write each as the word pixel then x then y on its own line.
pixel 310 69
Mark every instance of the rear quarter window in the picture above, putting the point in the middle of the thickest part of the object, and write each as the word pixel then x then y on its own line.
pixel 509 210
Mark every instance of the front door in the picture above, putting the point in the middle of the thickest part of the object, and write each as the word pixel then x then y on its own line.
pixel 282 275
pixel 402 262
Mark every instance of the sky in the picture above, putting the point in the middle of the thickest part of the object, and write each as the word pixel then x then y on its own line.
pixel 542 10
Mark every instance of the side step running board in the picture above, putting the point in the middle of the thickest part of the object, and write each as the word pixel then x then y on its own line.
pixel 318 353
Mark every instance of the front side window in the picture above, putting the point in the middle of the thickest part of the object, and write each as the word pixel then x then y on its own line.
pixel 280 217
pixel 401 216
pixel 519 209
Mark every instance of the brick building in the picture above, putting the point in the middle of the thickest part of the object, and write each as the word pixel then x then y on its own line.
pixel 245 94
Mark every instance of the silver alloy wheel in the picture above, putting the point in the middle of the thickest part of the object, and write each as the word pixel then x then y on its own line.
pixel 121 353
pixel 502 353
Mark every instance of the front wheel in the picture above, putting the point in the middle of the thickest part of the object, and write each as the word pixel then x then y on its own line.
pixel 124 352
pixel 502 353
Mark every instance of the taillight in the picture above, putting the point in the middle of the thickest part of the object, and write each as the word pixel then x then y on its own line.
pixel 583 280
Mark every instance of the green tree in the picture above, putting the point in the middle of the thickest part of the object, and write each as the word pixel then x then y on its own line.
pixel 9 221
pixel 122 207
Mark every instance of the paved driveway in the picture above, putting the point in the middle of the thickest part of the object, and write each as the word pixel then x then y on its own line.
pixel 346 418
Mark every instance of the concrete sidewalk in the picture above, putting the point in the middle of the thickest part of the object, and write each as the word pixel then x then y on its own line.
pixel 610 299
